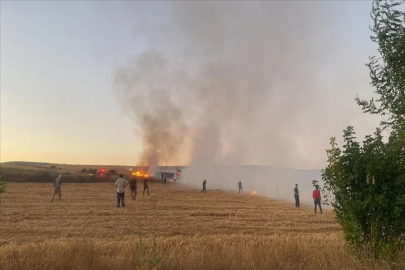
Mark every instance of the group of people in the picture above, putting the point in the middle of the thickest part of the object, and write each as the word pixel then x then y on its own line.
pixel 121 183
pixel 316 195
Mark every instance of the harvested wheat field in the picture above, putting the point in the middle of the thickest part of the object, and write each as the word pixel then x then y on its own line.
pixel 173 228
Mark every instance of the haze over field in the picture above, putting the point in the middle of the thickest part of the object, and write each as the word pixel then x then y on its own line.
pixel 182 83
pixel 238 84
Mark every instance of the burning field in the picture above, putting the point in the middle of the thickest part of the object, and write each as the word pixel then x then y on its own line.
pixel 216 230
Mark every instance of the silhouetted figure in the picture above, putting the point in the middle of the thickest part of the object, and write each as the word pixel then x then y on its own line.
pixel 317 198
pixel 56 188
pixel 240 186
pixel 145 186
pixel 133 187
pixel 121 183
pixel 204 186
pixel 297 196
pixel 164 180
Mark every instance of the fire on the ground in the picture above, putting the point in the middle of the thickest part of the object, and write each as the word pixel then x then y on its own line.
pixel 140 174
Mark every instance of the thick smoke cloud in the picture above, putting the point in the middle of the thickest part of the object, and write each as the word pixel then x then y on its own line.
pixel 234 84
pixel 145 88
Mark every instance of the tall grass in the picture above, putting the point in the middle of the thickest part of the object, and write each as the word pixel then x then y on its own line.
pixel 206 252
pixel 173 228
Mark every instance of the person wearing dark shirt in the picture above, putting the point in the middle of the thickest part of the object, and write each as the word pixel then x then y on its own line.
pixel 240 186
pixel 164 180
pixel 145 186
pixel 317 198
pixel 133 187
pixel 297 196
pixel 204 186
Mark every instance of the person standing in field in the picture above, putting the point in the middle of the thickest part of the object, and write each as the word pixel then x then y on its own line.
pixel 164 180
pixel 121 183
pixel 133 187
pixel 240 186
pixel 317 198
pixel 56 188
pixel 204 186
pixel 145 186
pixel 297 196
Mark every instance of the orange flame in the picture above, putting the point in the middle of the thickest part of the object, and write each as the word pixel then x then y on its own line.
pixel 140 174
pixel 254 192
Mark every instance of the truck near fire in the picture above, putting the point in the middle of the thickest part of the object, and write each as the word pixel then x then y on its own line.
pixel 172 175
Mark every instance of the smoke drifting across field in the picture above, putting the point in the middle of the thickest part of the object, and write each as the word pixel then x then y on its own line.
pixel 230 84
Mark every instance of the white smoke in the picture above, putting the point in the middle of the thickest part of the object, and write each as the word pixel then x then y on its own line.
pixel 233 83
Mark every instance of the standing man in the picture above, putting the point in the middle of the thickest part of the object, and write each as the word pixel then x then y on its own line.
pixel 56 188
pixel 121 183
pixel 145 186
pixel 317 198
pixel 204 186
pixel 240 186
pixel 164 180
pixel 133 187
pixel 297 196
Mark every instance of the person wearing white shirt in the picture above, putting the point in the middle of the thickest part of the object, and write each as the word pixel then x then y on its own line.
pixel 120 184
pixel 56 188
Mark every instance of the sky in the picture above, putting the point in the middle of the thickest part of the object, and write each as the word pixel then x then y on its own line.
pixel 59 62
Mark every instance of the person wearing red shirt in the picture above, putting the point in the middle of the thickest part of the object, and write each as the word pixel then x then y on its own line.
pixel 317 198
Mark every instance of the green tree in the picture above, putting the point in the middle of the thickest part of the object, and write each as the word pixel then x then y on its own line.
pixel 365 183
pixel 387 72
pixel 368 185
pixel 84 170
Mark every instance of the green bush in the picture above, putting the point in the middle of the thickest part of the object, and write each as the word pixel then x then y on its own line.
pixel 368 185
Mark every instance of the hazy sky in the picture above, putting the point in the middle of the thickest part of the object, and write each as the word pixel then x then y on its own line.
pixel 58 61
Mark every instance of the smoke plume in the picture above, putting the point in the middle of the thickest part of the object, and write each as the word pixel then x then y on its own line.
pixel 232 83
pixel 145 88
